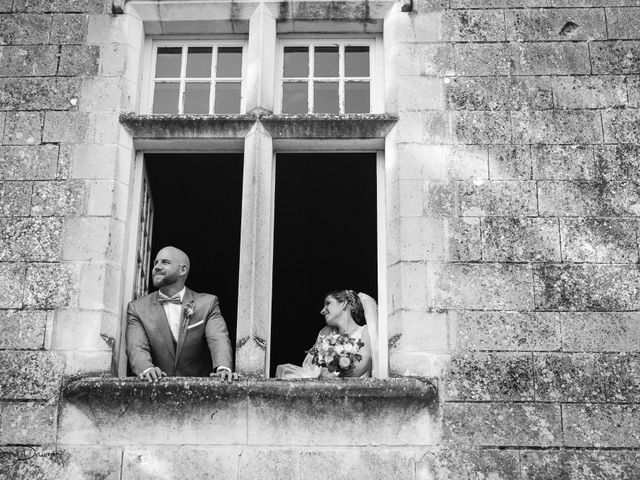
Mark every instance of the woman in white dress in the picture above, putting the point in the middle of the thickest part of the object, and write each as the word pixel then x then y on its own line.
pixel 344 311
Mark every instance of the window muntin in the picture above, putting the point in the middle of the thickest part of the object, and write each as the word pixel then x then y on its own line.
pixel 197 77
pixel 322 76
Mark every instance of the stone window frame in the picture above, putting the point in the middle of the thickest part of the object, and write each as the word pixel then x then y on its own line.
pixel 259 134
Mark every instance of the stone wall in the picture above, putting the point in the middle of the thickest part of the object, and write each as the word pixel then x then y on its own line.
pixel 513 197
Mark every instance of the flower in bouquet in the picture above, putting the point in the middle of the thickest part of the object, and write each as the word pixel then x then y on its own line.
pixel 337 352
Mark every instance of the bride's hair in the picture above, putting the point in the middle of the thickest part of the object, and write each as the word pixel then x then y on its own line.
pixel 352 299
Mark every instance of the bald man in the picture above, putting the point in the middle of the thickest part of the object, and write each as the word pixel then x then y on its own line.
pixel 176 331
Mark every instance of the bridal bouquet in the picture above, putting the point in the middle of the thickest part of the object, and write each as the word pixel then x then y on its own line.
pixel 338 352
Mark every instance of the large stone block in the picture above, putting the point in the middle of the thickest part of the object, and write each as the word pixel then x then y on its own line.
pixel 618 162
pixel 440 199
pixel 601 425
pixel 58 198
pixel 622 377
pixel 590 92
pixel 12 282
pixel 519 239
pixel 491 93
pixel 480 286
pixel 601 332
pixel 38 93
pixel 49 285
pixel 23 329
pixel 420 93
pixel 633 85
pixel 510 162
pixel 585 199
pixel 489 376
pixel 580 465
pixel 621 126
pixel 27 60
pixel 78 61
pixel 72 127
pixel 30 375
pixel 484 59
pixel 587 287
pixel 472 26
pixel 30 239
pixel 23 128
pixel 437 60
pixel 69 28
pixel 423 331
pixel 438 239
pixel 555 24
pixel 27 423
pixel 28 163
pixel 551 58
pixel 475 464
pixel 562 127
pixel 467 162
pixel 569 377
pixel 563 162
pixel 357 464
pixel 72 6
pixel 623 23
pixel 615 58
pixel 268 464
pixel 92 239
pixel 502 424
pixel 24 29
pixel 499 3
pixel 496 198
pixel 15 198
pixel 599 240
pixel 519 331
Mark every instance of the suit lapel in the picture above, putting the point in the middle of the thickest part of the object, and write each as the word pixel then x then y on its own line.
pixel 184 321
pixel 157 310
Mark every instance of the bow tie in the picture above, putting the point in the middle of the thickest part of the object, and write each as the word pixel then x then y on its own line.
pixel 175 299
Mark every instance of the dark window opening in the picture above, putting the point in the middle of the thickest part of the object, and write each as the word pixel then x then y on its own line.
pixel 325 238
pixel 197 200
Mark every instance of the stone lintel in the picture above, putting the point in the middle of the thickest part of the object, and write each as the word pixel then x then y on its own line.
pixel 320 126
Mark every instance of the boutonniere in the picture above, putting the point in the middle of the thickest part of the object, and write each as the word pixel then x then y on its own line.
pixel 188 309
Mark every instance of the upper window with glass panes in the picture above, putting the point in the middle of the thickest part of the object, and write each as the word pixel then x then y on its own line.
pixel 328 76
pixel 197 77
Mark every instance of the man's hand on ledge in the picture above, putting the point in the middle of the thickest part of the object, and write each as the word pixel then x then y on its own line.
pixel 224 374
pixel 152 374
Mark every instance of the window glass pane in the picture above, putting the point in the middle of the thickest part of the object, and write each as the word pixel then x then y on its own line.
pixel 356 61
pixel 325 96
pixel 196 98
pixel 227 98
pixel 229 62
pixel 356 97
pixel 165 98
pixel 326 62
pixel 294 98
pixel 199 62
pixel 168 62
pixel 296 62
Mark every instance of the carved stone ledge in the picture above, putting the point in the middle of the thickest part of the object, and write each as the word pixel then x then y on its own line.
pixel 354 126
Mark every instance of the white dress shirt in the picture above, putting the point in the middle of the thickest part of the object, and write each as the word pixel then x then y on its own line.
pixel 174 315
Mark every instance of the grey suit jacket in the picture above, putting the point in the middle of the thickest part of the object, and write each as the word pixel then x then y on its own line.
pixel 203 342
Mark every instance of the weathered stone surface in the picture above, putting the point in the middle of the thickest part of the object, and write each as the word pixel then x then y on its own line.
pixel 438 239
pixel 5 5
pixel 436 60
pixel 23 329
pixel 423 331
pixel 435 128
pixel 519 331
pixel 360 464
pixel 555 24
pixel 601 425
pixel 12 282
pixel 97 6
pixel 587 287
pixel 30 375
pixel 491 59
pixel 72 127
pixel 478 286
pixel 519 239
pixel 623 23
pixel 268 464
pixel 411 200
pixel 15 198
pixel 466 162
pixel 23 128
pixel 563 162
pixel 509 93
pixel 472 26
pixel 69 28
pixel 499 3
pixel 48 285
pixel 551 58
pixel 621 126
pixel 590 92
pixel 27 423
pixel 38 93
pixel 489 376
pixel 580 465
pixel 618 162
pixel 58 198
pixel 39 60
pixel 502 424
pixel 430 97
pixel 468 464
pixel 23 29
pixel 174 463
pixel 601 332
pixel 622 377
pixel 615 58
pixel 57 463
pixel 599 240
pixel 496 198
pixel 30 239
pixel 28 163
pixel 80 61
pixel 510 162
pixel 440 199
pixel 569 377
pixel 557 127
pixel 584 199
